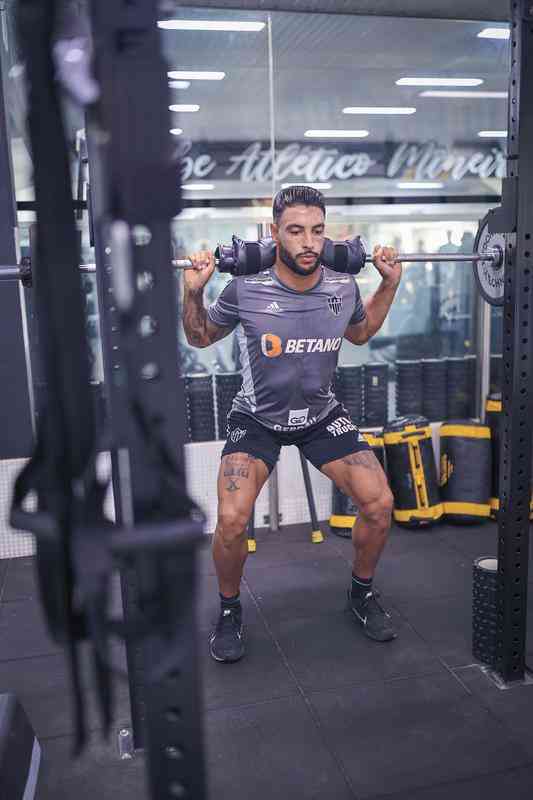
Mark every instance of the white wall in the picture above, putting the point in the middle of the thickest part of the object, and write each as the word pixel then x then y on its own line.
pixel 202 461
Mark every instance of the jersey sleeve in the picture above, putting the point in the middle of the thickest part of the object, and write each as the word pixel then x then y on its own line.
pixel 359 313
pixel 224 311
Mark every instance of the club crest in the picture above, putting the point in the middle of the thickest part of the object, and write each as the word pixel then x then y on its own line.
pixel 237 435
pixel 335 304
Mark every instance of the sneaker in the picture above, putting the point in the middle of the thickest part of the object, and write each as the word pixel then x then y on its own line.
pixel 372 617
pixel 226 642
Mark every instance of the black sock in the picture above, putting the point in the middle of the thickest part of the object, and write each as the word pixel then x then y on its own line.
pixel 230 602
pixel 360 586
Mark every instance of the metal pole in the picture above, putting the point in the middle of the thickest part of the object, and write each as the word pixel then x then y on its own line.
pixel 127 140
pixel 493 256
pixel 16 438
pixel 316 534
pixel 10 272
pixel 483 362
pixel 263 230
pixel 516 215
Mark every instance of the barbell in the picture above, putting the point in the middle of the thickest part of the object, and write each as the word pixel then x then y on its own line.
pixel 248 258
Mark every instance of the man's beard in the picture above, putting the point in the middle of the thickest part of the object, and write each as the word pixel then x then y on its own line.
pixel 290 262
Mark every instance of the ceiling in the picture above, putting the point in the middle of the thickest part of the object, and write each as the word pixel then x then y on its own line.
pixel 497 10
pixel 315 65
pixel 322 64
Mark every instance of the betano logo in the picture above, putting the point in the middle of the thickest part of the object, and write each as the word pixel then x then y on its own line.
pixel 272 346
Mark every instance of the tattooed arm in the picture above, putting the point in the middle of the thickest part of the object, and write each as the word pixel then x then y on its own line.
pixel 200 329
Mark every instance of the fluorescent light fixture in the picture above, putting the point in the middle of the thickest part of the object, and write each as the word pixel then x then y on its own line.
pixel 303 183
pixel 184 107
pixel 340 134
pixel 198 187
pixel 419 185
pixel 208 25
pixel 493 134
pixel 464 94
pixel 439 82
pixel 179 84
pixel 494 33
pixel 176 131
pixel 377 110
pixel 194 75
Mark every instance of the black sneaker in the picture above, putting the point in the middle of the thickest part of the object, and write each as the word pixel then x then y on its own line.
pixel 226 642
pixel 374 620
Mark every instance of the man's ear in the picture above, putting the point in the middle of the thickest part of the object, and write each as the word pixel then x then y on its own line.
pixel 274 232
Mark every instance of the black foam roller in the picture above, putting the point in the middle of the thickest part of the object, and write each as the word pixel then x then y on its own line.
pixel 200 407
pixel 227 384
pixel 434 389
pixel 375 394
pixel 408 387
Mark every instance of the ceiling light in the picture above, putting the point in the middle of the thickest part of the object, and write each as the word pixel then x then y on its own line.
pixel 198 187
pixel 377 110
pixel 336 134
pixel 493 134
pixel 179 84
pixel 184 107
pixel 208 25
pixel 465 94
pixel 194 75
pixel 494 33
pixel 439 81
pixel 312 185
pixel 419 185
pixel 176 131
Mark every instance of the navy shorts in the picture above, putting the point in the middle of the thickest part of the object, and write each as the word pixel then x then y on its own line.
pixel 334 437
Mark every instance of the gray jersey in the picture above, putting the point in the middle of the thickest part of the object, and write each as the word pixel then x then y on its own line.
pixel 289 343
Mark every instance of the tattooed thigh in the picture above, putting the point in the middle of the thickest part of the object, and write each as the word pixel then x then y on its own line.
pixel 364 458
pixel 238 465
pixel 235 468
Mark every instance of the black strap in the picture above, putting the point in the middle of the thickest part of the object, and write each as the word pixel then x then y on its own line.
pixel 62 466
pixel 77 547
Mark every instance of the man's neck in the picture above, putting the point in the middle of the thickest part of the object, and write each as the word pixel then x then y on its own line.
pixel 300 283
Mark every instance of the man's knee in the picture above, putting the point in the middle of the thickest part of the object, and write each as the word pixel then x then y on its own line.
pixel 377 511
pixel 231 525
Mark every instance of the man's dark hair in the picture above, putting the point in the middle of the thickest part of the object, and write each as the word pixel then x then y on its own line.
pixel 296 196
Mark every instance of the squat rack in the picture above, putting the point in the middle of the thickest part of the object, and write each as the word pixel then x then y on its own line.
pixel 513 219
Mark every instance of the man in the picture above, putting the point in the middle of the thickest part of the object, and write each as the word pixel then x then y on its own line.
pixel 292 319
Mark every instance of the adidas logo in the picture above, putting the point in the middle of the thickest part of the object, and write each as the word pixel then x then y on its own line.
pixel 274 308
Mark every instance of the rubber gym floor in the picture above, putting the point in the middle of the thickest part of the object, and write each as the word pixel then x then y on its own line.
pixel 315 711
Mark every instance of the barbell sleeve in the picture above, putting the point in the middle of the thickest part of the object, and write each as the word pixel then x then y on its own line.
pixel 9 273
pixel 490 255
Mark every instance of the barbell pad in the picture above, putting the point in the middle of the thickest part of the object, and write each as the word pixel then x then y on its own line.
pixel 344 256
pixel 225 257
pixel 252 257
pixel 267 253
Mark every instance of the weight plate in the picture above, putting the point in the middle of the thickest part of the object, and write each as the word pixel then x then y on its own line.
pixel 489 277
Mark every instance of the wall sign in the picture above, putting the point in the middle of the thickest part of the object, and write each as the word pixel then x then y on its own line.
pixel 253 163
